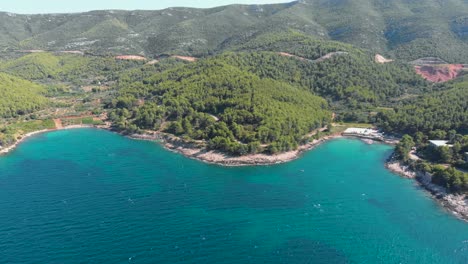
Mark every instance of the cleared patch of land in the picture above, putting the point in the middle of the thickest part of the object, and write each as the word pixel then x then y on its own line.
pixel 381 59
pixel 131 57
pixel 437 70
pixel 323 58
pixel 185 58
pixel 439 73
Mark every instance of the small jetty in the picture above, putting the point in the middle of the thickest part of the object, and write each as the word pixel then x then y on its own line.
pixel 365 133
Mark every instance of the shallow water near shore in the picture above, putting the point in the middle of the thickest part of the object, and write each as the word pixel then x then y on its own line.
pixel 91 196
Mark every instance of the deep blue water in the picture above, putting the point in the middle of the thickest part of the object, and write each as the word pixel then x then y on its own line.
pixel 91 196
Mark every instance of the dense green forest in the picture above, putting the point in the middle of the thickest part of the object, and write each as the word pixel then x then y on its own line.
pixel 338 78
pixel 351 82
pixel 70 68
pixel 19 97
pixel 291 41
pixel 441 110
pixel 235 111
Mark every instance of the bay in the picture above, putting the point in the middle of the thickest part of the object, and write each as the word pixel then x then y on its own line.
pixel 91 196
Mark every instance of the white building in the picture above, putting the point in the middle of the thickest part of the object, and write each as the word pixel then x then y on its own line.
pixel 440 143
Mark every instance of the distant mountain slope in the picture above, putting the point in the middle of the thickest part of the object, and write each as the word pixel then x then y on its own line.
pixel 406 29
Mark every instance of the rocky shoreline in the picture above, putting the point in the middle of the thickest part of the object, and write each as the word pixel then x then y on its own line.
pixel 195 150
pixel 457 204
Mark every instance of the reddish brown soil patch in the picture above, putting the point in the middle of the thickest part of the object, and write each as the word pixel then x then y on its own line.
pixel 84 115
pixel 32 51
pixel 185 58
pixel 58 123
pixel 439 73
pixel 131 57
pixel 76 52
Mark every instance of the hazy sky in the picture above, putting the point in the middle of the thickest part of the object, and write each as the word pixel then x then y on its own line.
pixel 63 6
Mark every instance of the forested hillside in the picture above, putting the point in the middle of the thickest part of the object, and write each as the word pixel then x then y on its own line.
pixel 337 77
pixel 251 92
pixel 346 76
pixel 235 111
pixel 441 110
pixel 76 69
pixel 405 30
pixel 19 97
pixel 355 87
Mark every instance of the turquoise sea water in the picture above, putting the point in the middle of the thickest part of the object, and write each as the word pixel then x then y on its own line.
pixel 91 196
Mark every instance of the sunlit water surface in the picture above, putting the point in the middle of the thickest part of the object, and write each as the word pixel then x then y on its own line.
pixel 91 196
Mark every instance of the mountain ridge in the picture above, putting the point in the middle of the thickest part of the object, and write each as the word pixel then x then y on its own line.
pixel 405 30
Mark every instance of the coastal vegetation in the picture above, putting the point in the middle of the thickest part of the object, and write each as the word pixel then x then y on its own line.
pixel 451 178
pixel 266 79
pixel 404 147
pixel 233 110
pixel 447 164
pixel 37 87
pixel 439 114
pixel 10 133
pixel 251 99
